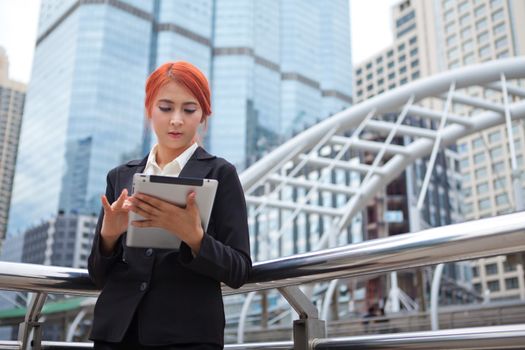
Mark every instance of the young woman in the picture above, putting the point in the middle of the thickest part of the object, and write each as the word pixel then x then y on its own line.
pixel 159 298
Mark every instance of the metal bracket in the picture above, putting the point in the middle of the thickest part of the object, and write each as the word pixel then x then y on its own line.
pixel 31 324
pixel 308 327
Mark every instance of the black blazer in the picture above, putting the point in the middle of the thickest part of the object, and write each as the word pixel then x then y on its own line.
pixel 176 297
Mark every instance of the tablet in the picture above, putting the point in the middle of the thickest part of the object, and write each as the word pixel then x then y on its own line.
pixel 173 190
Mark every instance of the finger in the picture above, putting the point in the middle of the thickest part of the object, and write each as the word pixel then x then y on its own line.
pixel 142 223
pixel 149 200
pixel 105 203
pixel 190 200
pixel 120 201
pixel 137 208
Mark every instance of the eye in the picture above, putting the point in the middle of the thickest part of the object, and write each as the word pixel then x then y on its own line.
pixel 189 111
pixel 164 108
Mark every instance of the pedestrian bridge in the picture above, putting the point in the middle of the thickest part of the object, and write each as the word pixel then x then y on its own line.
pixel 298 179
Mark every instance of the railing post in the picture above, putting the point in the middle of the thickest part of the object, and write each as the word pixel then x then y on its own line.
pixel 308 327
pixel 31 323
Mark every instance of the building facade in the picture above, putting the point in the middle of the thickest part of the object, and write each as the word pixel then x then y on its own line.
pixel 12 97
pixel 275 68
pixel 435 36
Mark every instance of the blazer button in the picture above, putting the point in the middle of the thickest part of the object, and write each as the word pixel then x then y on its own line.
pixel 149 252
pixel 143 286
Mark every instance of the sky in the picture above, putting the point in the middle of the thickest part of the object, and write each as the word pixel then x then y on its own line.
pixel 369 21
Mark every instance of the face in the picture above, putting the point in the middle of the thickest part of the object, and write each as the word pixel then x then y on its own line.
pixel 175 117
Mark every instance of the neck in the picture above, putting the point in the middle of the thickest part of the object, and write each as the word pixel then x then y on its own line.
pixel 165 155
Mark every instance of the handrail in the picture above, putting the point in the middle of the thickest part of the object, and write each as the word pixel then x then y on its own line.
pixel 470 240
pixel 495 337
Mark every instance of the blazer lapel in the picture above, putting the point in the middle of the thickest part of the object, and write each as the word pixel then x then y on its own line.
pixel 197 165
pixel 126 175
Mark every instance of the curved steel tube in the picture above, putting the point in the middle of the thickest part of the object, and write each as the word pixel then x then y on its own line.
pixel 498 337
pixel 487 237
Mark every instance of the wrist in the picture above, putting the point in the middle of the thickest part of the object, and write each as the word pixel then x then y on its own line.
pixel 195 244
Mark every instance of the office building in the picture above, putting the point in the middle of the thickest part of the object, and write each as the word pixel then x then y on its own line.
pixel 12 96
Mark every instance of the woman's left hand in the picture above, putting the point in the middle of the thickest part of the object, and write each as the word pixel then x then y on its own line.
pixel 185 223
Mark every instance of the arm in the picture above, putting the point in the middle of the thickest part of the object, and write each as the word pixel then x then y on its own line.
pixel 100 261
pixel 224 255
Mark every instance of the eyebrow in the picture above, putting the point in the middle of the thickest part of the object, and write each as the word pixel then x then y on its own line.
pixel 184 103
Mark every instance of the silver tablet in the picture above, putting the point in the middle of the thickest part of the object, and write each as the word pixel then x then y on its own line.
pixel 173 190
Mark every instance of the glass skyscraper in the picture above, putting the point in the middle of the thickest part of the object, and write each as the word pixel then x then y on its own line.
pixel 276 67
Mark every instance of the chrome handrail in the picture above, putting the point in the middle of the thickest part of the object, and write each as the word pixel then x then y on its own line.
pixel 470 240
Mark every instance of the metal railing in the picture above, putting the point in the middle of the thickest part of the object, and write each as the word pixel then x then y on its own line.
pixel 470 240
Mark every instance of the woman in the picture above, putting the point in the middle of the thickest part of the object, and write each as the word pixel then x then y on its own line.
pixel 166 299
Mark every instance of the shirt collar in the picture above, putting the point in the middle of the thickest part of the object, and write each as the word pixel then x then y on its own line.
pixel 181 161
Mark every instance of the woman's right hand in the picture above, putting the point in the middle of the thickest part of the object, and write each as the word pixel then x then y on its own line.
pixel 115 220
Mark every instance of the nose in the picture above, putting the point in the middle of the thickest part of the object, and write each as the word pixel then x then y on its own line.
pixel 176 119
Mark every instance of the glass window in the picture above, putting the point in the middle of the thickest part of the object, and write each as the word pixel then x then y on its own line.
pixel 413 52
pixel 369 76
pixel 402 58
pixel 512 283
pixel 463 6
pixel 467 192
pixel 402 69
pixel 369 65
pixel 390 64
pixel 452 53
pixel 401 47
pixel 496 152
pixel 483 37
pixel 501 42
pixel 390 53
pixel 477 287
pixel 403 81
pixel 498 167
pixel 499 183
pixel 465 33
pixel 469 59
pixel 464 20
pixel 477 143
pixel 451 40
pixel 475 271
pixel 480 10
pixel 369 87
pixel 468 45
pixel 493 286
pixel 415 75
pixel 508 267
pixel 500 28
pixel 481 173
pixel 502 199
pixel 481 24
pixel 482 188
pixel 449 28
pixel 414 63
pixel 484 51
pixel 496 16
pixel 479 158
pixel 503 54
pixel 467 208
pixel 449 15
pixel 495 136
pixel 491 269
pixel 391 76
pixel 495 3
pixel 453 64
pixel 484 204
pixel 379 59
pixel 359 71
pixel 413 40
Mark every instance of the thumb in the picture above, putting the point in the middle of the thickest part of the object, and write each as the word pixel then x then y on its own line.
pixel 190 200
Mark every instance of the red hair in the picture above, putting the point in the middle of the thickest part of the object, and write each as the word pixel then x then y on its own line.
pixel 183 73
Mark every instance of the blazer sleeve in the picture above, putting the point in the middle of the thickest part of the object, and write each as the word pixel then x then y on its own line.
pixel 224 254
pixel 99 265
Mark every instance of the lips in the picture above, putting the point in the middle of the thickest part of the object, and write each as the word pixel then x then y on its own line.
pixel 175 134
